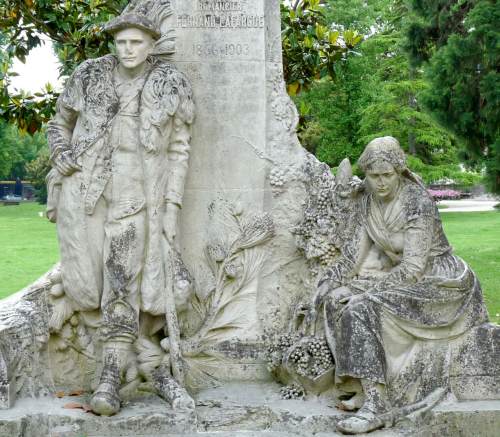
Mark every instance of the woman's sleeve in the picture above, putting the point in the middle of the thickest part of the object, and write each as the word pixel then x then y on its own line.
pixel 352 253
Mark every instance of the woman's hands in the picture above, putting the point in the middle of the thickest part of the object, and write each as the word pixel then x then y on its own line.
pixel 342 295
pixel 321 292
pixel 338 294
pixel 311 310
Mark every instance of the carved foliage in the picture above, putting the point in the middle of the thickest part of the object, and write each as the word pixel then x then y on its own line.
pixel 233 265
pixel 328 216
pixel 226 289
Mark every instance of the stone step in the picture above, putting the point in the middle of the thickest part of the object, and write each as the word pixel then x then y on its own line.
pixel 247 410
pixel 68 432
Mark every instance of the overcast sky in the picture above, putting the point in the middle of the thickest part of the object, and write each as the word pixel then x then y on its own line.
pixel 41 67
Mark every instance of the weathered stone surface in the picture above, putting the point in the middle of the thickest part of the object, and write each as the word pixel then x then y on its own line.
pixel 120 144
pixel 240 410
pixel 24 360
pixel 245 129
pixel 463 419
pixel 235 237
pixel 402 314
pixel 475 370
pixel 7 396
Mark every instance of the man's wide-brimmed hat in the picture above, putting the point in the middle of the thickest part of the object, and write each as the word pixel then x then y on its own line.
pixel 138 21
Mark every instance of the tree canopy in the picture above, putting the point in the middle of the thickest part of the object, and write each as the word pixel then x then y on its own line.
pixel 376 93
pixel 311 49
pixel 456 43
pixel 73 27
pixel 17 151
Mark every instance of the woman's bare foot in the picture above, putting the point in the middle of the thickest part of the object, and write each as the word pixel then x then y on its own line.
pixel 368 418
pixel 364 421
pixel 354 403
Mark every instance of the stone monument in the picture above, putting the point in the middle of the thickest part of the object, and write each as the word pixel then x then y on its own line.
pixel 194 229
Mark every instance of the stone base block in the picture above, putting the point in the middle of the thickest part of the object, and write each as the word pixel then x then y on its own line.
pixel 7 396
pixel 463 419
pixel 235 410
pixel 475 370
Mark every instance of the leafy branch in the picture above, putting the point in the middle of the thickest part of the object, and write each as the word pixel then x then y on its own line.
pixel 311 48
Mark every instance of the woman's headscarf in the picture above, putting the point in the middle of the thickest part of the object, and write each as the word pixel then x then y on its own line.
pixel 389 150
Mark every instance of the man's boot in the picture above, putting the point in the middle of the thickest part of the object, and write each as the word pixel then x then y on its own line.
pixel 106 399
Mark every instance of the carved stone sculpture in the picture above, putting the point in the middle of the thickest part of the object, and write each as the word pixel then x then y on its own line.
pixel 120 144
pixel 397 295
pixel 184 329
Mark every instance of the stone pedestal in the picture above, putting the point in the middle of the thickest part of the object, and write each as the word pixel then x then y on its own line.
pixel 235 410
pixel 475 370
pixel 244 131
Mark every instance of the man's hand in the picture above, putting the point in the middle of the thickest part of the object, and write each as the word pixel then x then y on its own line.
pixel 65 163
pixel 170 222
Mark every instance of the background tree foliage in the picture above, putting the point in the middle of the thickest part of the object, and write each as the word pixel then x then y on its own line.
pixel 311 49
pixel 376 93
pixel 73 26
pixel 346 58
pixel 37 171
pixel 457 44
pixel 17 150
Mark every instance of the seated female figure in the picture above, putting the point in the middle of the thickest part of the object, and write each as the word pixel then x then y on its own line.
pixel 396 289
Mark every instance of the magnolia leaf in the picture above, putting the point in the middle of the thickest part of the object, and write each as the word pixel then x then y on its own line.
pixel 293 88
pixel 333 37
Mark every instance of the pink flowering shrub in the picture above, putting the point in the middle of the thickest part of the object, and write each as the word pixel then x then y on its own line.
pixel 445 194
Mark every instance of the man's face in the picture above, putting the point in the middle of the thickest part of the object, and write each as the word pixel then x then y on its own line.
pixel 133 46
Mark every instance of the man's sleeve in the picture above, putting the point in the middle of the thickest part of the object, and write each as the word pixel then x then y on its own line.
pixel 167 114
pixel 178 161
pixel 179 143
pixel 60 128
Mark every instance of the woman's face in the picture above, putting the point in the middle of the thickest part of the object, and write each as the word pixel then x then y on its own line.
pixel 382 180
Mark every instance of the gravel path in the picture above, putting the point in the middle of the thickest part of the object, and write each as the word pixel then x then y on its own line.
pixel 468 205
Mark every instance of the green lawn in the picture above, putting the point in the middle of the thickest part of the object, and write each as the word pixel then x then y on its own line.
pixel 476 238
pixel 29 248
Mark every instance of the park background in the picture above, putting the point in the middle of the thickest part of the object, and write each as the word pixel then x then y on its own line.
pixel 424 71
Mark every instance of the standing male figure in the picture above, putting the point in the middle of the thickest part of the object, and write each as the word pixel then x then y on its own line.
pixel 120 150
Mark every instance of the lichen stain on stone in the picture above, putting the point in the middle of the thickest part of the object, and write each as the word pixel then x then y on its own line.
pixel 211 209
pixel 119 249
